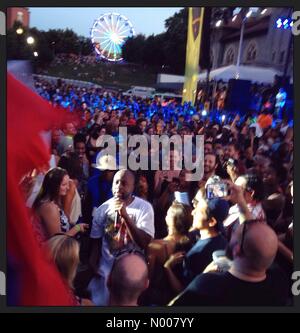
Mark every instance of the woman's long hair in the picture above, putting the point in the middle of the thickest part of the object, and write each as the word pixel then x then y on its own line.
pixel 64 251
pixel 50 187
pixel 182 217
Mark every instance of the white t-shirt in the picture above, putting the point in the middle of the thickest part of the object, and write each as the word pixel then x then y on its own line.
pixel 234 213
pixel 141 213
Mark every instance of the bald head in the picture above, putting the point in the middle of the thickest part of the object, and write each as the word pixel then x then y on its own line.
pixel 123 184
pixel 125 173
pixel 259 247
pixel 128 279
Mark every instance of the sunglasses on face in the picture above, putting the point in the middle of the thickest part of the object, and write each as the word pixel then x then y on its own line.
pixel 246 226
pixel 125 251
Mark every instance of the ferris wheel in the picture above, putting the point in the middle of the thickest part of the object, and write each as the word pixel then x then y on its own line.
pixel 109 33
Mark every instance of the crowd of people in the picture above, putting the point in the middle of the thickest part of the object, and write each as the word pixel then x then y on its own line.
pixel 73 59
pixel 272 98
pixel 152 237
pixel 82 64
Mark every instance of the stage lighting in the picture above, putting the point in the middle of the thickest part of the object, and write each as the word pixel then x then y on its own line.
pixel 218 24
pixel 279 23
pixel 249 13
pixel 284 23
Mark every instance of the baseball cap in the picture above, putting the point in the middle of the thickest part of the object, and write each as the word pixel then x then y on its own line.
pixel 218 209
pixel 105 162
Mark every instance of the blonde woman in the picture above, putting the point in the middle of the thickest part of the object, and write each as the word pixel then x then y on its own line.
pixel 63 250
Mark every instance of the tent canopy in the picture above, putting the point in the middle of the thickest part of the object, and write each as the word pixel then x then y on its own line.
pixel 252 73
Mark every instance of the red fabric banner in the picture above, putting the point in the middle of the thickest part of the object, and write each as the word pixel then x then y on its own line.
pixel 28 115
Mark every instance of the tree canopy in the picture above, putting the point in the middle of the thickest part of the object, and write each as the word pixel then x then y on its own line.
pixel 165 51
pixel 47 43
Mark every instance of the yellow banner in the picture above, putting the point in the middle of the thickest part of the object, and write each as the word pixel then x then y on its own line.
pixel 192 54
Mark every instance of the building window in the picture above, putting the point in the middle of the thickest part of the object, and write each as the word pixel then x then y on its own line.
pixel 251 52
pixel 282 53
pixel 20 17
pixel 273 56
pixel 229 56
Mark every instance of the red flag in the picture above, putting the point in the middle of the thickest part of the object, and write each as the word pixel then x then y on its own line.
pixel 27 116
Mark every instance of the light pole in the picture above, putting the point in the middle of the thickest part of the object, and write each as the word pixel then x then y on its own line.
pixel 53 47
pixel 244 19
pixel 238 61
pixel 250 12
pixel 244 15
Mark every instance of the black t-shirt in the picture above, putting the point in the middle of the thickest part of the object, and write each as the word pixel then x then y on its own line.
pixel 200 256
pixel 223 289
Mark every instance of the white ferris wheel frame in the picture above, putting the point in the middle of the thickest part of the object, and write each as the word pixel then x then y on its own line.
pixel 108 27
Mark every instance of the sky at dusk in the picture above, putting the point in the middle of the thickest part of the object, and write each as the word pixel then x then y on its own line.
pixel 146 21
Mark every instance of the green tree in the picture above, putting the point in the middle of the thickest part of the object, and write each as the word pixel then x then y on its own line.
pixel 166 49
pixel 54 40
pixel 175 41
pixel 134 48
pixel 153 50
pixel 86 46
pixel 17 48
pixel 63 41
pixel 71 43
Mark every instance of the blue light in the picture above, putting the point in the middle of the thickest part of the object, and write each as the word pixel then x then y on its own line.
pixel 284 23
pixel 204 113
pixel 279 23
